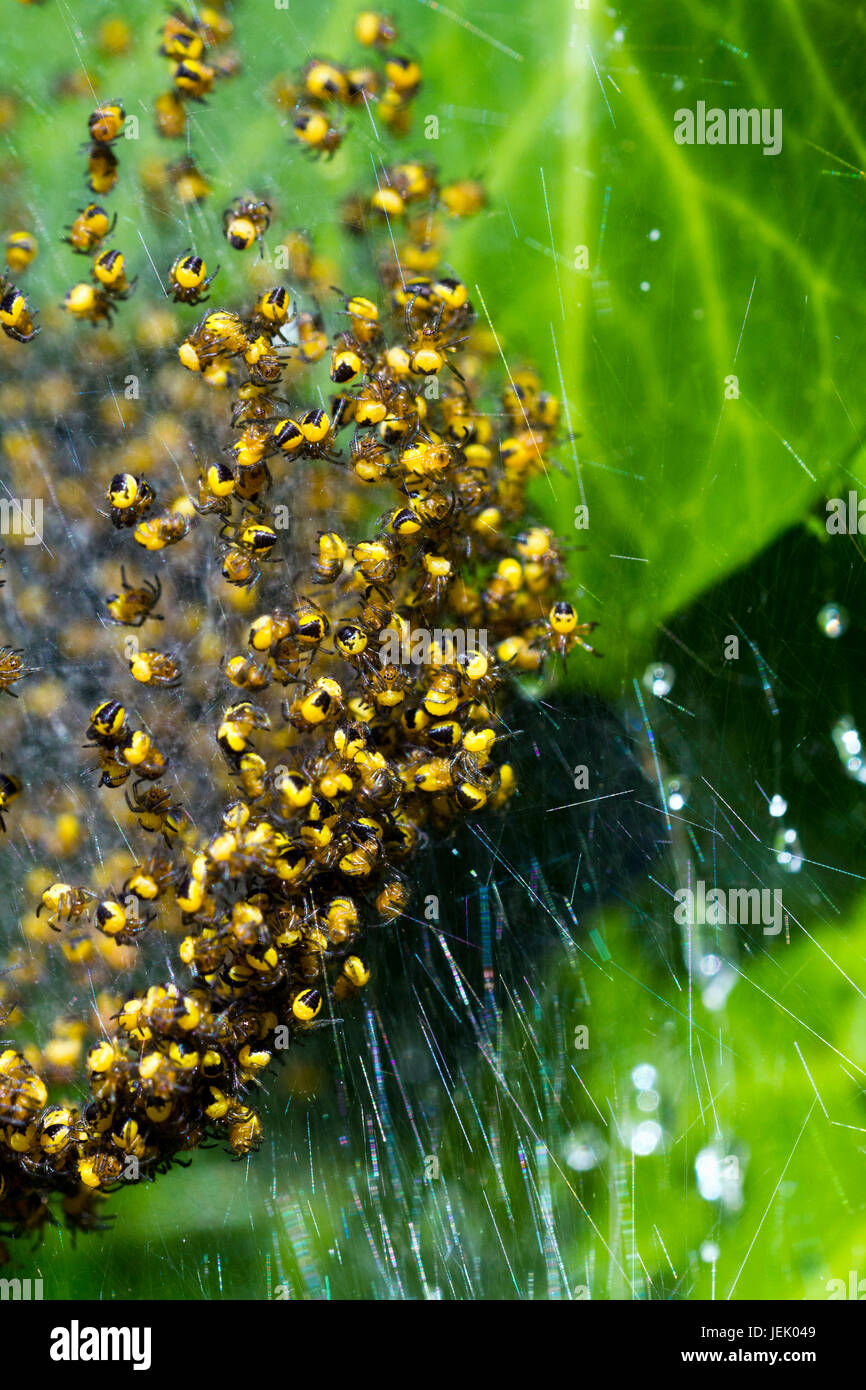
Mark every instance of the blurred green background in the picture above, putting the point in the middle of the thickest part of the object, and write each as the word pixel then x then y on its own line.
pixel 709 359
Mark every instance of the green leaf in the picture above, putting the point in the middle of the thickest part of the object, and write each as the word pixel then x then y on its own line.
pixel 707 263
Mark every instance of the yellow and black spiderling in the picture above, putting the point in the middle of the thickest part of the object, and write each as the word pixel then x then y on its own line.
pixel 193 78
pixel 16 317
pixel 314 129
pixel 102 169
pixel 132 606
pixel 106 122
pixel 90 227
pixel 246 221
pixel 189 279
pixel 89 303
pixel 109 270
pixel 154 668
pixel 373 28
pixel 10 787
pixel 273 309
pixel 12 669
pixel 131 499
pixel 22 249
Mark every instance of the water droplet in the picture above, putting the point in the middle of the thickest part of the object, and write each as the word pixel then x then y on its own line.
pixel 619 35
pixel 644 1076
pixel 644 285
pixel 646 1138
pixel 710 1252
pixel 676 793
pixel 654 234
pixel 719 1175
pixel 849 746
pixel 720 980
pixel 586 1149
pixel 833 620
pixel 789 851
pixel 659 678
pixel 647 1101
pixel 778 805
pixel 846 737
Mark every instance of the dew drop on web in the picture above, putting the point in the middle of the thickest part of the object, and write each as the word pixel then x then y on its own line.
pixel 658 678
pixel 833 620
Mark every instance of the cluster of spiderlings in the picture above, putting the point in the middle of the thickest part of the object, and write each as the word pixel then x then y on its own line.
pixel 188 42
pixel 16 317
pixel 325 87
pixel 95 300
pixel 359 719
pixel 104 125
pixel 410 193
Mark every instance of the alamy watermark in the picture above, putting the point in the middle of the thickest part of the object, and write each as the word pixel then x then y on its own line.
pixel 77 1343
pixel 846 516
pixel 20 1290
pixel 738 126
pixel 418 646
pixel 22 516
pixel 717 907
pixel 854 1290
